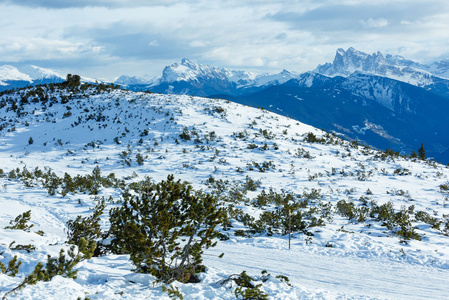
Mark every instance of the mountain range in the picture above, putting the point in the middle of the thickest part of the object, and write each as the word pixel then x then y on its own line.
pixel 382 101
pixel 189 77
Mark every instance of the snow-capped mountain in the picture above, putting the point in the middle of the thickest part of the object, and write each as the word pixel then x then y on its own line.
pixel 10 73
pixel 12 77
pixel 395 67
pixel 188 77
pixel 38 73
pixel 188 70
pixel 126 80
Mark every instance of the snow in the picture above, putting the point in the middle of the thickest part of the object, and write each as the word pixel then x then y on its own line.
pixel 8 72
pixel 366 260
pixel 346 63
pixel 190 71
pixel 39 73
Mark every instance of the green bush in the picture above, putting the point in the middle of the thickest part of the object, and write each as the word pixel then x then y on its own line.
pixel 310 137
pixel 13 267
pixel 164 227
pixel 87 229
pixel 246 289
pixel 20 222
pixel 62 266
pixel 428 219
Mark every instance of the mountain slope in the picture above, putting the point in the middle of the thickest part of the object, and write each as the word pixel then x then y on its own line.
pixel 377 214
pixel 12 77
pixel 414 99
pixel 375 110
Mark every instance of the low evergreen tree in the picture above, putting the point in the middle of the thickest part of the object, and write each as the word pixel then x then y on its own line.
pixel 164 227
pixel 422 152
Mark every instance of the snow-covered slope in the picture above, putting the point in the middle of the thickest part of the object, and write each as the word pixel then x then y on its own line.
pixel 10 73
pixel 28 73
pixel 24 75
pixel 242 155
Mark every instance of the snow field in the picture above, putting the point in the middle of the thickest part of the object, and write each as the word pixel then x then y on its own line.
pixel 108 130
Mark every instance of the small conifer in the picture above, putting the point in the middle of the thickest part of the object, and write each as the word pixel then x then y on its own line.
pixel 422 152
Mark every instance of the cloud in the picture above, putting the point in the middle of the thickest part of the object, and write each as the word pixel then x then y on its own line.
pixel 371 23
pixel 62 4
pixel 153 43
pixel 267 36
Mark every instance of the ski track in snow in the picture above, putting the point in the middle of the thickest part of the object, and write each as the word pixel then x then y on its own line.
pixel 377 278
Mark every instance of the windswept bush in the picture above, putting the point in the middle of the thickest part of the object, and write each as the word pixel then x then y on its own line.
pixel 165 227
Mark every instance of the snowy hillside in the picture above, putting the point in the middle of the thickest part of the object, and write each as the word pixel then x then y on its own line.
pixel 365 224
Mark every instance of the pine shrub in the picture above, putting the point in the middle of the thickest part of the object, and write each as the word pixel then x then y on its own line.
pixel 165 227
pixel 85 231
pixel 20 222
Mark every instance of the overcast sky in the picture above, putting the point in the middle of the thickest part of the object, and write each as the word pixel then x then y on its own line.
pixel 108 38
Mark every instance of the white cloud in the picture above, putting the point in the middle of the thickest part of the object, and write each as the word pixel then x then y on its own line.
pixel 153 43
pixel 374 23
pixel 261 35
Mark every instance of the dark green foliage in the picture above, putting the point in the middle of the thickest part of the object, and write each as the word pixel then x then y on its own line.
pixel 72 80
pixel 444 187
pixel 140 159
pixel 291 211
pixel 261 167
pixel 251 184
pixel 13 267
pixel 28 248
pixel 87 229
pixel 428 219
pixel 185 135
pixel 62 266
pixel 353 213
pixel 389 153
pixel 20 222
pixel 402 172
pixel 284 279
pixel 173 292
pixel 164 227
pixel 312 138
pixel 445 230
pixel 246 289
pixel 400 222
pixel 422 152
pixel 267 134
pixel 90 184
pixel 30 141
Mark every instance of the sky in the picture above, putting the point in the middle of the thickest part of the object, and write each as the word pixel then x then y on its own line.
pixel 107 38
